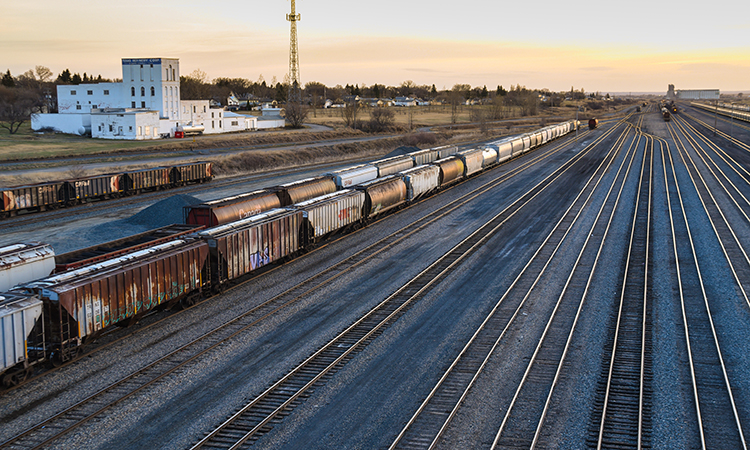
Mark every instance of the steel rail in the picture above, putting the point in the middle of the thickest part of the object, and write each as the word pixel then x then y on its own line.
pixel 467 347
pixel 709 354
pixel 713 208
pixel 632 280
pixel 552 344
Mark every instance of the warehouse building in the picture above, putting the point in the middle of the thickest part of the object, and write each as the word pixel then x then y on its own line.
pixel 145 105
pixel 698 94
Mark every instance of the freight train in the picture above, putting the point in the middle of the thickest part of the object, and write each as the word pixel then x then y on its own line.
pixel 58 194
pixel 49 318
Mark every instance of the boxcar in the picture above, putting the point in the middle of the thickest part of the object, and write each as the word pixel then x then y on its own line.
pixel 451 170
pixel 24 262
pixel 188 173
pixel 21 334
pixel 82 302
pixel 300 191
pixel 230 209
pixel 240 247
pixel 346 178
pixel 473 160
pixel 331 213
pixel 138 181
pixel 383 194
pixel 396 164
pixel 95 187
pixel 34 197
pixel 420 181
pixel 112 249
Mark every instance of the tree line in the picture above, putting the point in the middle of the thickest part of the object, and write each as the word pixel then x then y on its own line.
pixel 35 91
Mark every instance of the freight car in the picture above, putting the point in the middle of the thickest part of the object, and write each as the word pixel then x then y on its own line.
pixel 108 250
pixel 593 123
pixel 64 311
pixel 237 207
pixel 80 303
pixel 57 194
pixel 24 262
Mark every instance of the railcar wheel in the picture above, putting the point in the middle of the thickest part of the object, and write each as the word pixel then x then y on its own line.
pixel 189 301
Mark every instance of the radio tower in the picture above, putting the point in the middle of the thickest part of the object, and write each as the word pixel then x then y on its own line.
pixel 295 93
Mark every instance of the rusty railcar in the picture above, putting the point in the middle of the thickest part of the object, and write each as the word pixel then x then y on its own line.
pixel 95 187
pixel 112 249
pixel 383 194
pixel 230 209
pixel 34 197
pixel 189 173
pixel 241 247
pixel 331 213
pixel 152 179
pixel 303 190
pixel 451 170
pixel 82 302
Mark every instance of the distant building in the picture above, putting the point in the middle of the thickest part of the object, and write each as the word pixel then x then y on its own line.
pixel 698 94
pixel 145 105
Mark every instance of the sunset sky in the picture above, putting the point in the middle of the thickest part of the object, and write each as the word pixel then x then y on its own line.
pixel 557 45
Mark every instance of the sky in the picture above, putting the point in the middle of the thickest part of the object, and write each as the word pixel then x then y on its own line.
pixel 634 46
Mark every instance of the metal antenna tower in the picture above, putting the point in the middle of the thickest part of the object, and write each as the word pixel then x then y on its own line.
pixel 295 91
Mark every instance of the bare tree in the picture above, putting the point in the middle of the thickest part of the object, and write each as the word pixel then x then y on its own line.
pixel 43 73
pixel 16 107
pixel 382 119
pixel 455 99
pixel 296 113
pixel 349 114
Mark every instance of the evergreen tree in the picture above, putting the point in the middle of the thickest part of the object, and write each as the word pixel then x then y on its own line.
pixel 8 79
pixel 64 77
pixel 76 79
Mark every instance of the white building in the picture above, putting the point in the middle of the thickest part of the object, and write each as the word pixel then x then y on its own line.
pixel 698 94
pixel 125 123
pixel 149 91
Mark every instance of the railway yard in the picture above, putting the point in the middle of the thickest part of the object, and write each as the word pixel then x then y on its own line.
pixel 591 293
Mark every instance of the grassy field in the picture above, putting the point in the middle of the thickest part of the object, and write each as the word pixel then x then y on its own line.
pixel 28 145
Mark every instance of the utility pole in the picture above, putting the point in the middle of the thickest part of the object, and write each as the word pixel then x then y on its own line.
pixel 295 91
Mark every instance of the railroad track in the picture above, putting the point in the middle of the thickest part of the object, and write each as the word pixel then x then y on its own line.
pixel 622 415
pixel 76 415
pixel 261 413
pixel 716 413
pixel 734 252
pixel 435 413
pixel 531 404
